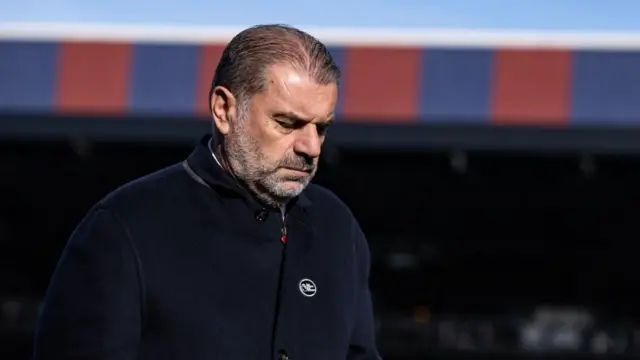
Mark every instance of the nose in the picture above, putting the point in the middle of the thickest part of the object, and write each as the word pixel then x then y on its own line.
pixel 309 142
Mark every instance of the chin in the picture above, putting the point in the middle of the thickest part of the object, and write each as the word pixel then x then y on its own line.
pixel 294 186
pixel 285 187
pixel 291 188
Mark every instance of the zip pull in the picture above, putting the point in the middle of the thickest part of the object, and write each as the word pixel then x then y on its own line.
pixel 283 237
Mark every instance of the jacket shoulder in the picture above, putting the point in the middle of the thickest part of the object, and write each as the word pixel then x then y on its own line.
pixel 150 192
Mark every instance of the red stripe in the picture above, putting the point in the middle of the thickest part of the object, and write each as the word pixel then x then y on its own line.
pixel 209 58
pixel 382 84
pixel 532 87
pixel 93 78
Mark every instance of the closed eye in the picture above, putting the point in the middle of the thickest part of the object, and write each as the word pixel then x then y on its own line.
pixel 289 124
pixel 293 122
pixel 322 128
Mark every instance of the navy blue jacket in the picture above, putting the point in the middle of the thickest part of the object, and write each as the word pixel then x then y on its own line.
pixel 183 264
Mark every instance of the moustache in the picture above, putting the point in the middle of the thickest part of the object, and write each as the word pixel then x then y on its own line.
pixel 298 163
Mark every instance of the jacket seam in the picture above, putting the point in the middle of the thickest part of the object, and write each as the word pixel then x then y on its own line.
pixel 187 168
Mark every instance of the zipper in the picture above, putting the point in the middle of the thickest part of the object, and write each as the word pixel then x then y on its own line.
pixel 281 355
pixel 283 231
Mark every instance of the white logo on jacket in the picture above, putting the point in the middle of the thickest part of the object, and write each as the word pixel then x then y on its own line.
pixel 307 287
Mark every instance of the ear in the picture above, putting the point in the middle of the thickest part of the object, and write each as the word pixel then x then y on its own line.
pixel 223 108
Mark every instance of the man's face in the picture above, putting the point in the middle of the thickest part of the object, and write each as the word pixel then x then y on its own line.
pixel 275 143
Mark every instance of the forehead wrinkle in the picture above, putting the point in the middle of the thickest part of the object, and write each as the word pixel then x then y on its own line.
pixel 280 75
pixel 284 103
pixel 279 91
pixel 285 100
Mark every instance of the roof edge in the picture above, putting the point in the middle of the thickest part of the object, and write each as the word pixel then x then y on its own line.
pixel 383 37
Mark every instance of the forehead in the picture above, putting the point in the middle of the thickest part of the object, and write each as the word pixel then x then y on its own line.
pixel 292 90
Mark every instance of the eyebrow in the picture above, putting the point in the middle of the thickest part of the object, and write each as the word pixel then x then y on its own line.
pixel 296 117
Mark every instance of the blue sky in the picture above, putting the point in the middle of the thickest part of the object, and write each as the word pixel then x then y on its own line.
pixel 614 15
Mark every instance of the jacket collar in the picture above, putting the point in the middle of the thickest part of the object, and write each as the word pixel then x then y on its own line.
pixel 202 163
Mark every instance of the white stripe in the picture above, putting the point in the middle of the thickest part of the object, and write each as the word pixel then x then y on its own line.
pixel 456 38
pixel 213 153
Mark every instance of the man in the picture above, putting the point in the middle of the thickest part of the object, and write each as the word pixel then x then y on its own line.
pixel 230 254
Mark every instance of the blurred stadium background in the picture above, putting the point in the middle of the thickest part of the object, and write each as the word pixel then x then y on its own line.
pixel 493 172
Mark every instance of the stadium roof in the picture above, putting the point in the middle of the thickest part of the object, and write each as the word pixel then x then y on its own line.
pixel 331 36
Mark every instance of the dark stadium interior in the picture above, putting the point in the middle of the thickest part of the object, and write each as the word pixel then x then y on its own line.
pixel 485 235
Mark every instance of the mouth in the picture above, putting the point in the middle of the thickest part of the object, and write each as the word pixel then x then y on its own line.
pixel 298 171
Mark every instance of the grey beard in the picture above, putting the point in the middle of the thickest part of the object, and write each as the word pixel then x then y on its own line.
pixel 265 197
pixel 260 192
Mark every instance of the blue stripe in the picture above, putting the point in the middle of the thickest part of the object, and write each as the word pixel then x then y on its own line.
pixel 338 57
pixel 164 79
pixel 606 88
pixel 455 85
pixel 28 74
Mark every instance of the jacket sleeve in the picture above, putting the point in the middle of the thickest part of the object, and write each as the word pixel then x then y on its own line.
pixel 362 345
pixel 92 309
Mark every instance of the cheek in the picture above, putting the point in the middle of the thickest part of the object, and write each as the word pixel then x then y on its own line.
pixel 272 144
pixel 278 151
pixel 262 139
